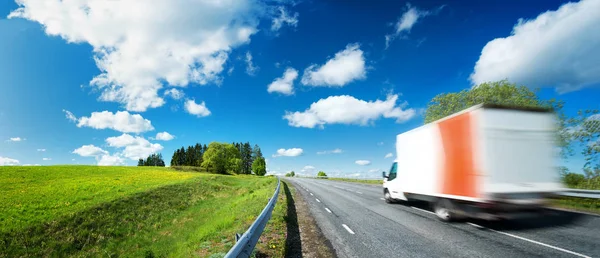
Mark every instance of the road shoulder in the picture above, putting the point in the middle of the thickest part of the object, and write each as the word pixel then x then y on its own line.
pixel 313 242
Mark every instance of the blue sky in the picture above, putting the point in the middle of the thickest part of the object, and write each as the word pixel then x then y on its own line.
pixel 251 71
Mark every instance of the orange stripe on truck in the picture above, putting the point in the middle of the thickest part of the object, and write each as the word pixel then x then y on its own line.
pixel 458 172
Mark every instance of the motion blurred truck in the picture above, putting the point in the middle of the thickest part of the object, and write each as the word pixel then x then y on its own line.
pixel 488 162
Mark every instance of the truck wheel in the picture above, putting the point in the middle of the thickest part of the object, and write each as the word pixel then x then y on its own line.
pixel 442 209
pixel 387 196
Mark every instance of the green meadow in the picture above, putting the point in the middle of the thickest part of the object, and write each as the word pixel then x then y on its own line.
pixel 90 211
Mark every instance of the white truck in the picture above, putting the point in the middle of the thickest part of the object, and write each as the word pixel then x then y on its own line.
pixel 487 162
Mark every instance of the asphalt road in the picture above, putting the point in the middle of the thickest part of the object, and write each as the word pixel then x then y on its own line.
pixel 359 223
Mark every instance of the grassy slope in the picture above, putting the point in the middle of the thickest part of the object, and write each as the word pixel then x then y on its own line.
pixel 94 211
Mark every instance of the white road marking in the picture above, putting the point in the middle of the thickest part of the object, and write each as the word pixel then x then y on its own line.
pixel 317 200
pixel 383 199
pixel 311 194
pixel 532 241
pixel 422 210
pixel 474 225
pixel 348 229
pixel 328 210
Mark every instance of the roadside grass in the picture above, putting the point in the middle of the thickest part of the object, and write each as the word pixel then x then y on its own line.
pixel 364 181
pixel 155 212
pixel 578 204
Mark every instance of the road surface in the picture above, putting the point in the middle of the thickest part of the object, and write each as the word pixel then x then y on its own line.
pixel 359 223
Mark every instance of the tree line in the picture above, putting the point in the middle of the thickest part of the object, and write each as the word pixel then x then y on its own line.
pixel 222 158
pixel 155 160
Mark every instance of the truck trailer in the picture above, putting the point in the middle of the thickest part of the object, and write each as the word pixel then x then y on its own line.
pixel 487 162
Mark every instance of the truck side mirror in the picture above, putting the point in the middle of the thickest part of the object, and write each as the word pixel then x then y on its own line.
pixel 383 174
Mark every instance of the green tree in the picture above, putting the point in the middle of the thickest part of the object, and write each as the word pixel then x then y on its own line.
pixel 259 166
pixel 584 128
pixel 221 158
pixel 573 180
pixel 292 174
pixel 246 153
pixel 500 93
pixel 140 162
pixel 321 173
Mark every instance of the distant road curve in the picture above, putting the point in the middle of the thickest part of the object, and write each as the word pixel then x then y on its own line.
pixel 358 223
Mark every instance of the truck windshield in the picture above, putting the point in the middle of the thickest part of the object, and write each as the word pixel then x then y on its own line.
pixel 393 171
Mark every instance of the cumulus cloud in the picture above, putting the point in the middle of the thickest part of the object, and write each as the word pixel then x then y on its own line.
pixel 284 84
pixel 4 161
pixel 139 47
pixel 15 139
pixel 164 136
pixel 110 160
pixel 556 49
pixel 346 66
pixel 199 110
pixel 46 159
pixel 174 93
pixel 349 110
pixel 408 19
pixel 293 152
pixel 121 121
pixel 284 19
pixel 307 169
pixel 134 147
pixel 41 149
pixel 334 151
pixel 251 69
pixel 389 155
pixel 363 162
pixel 89 151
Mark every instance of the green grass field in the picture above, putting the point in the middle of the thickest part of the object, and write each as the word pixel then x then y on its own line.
pixel 85 211
pixel 364 181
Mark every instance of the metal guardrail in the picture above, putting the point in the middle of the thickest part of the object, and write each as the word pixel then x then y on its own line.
pixel 579 193
pixel 245 243
pixel 594 194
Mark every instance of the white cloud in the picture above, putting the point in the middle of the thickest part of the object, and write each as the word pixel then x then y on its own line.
pixel 15 139
pixel 4 161
pixel 284 84
pixel 308 169
pixel 346 66
pixel 375 170
pixel 174 93
pixel 284 18
pixel 46 159
pixel 89 151
pixel 348 110
pixel 41 149
pixel 408 19
pixel 70 116
pixel 135 147
pixel 363 162
pixel 164 136
pixel 380 144
pixel 556 49
pixel 121 121
pixel 110 160
pixel 138 46
pixel 199 110
pixel 293 152
pixel 389 155
pixel 251 69
pixel 334 151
